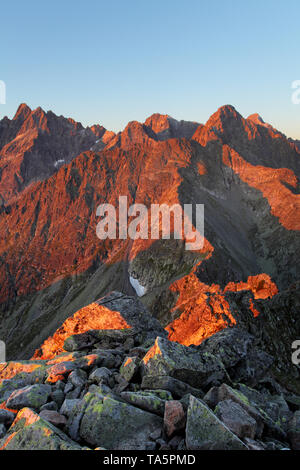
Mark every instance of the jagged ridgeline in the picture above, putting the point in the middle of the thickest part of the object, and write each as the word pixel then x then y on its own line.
pixel 244 171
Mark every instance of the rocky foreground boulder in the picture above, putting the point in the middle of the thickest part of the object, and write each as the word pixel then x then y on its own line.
pixel 128 389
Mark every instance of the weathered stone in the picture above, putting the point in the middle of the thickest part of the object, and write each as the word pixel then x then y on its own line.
pixel 211 398
pixel 230 345
pixel 293 401
pixel 294 431
pixel 253 367
pixel 79 342
pixel 58 397
pixel 75 415
pixel 92 337
pixel 107 358
pixel 162 394
pixel 68 406
pixel 205 430
pixel 60 371
pixel 253 445
pixel 101 388
pixel 68 388
pixel 6 417
pixel 134 312
pixel 30 432
pixel 53 417
pixel 131 426
pixel 73 394
pixel 175 442
pixel 59 385
pixel 272 408
pixel 138 351
pixel 122 384
pixel 33 396
pixel 100 375
pixel 174 386
pixel 162 444
pixel 128 344
pixel 146 401
pixel 225 392
pixel 183 363
pixel 2 430
pixel 51 406
pixel 9 386
pixel 129 368
pixel 237 351
pixel 274 444
pixel 88 361
pixel 174 417
pixel 155 434
pixel 78 378
pixel 236 419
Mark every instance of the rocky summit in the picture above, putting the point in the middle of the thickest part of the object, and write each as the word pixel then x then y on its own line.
pixel 131 388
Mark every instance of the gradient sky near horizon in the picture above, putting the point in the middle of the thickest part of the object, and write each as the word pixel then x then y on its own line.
pixel 115 61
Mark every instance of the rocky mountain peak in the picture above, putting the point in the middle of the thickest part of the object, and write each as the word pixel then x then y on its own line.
pixel 258 120
pixel 158 122
pixel 23 112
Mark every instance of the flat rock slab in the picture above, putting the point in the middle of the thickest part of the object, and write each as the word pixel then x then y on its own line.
pixel 236 348
pixel 30 432
pixel 204 430
pixel 33 396
pixel 236 419
pixel 186 364
pixel 176 387
pixel 146 401
pixel 112 424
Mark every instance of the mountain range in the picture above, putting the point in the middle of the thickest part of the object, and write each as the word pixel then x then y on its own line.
pixel 53 175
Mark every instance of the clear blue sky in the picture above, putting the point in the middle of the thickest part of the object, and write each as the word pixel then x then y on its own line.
pixel 114 61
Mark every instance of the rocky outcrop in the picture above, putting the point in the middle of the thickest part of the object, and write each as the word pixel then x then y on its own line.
pixel 172 397
pixel 35 144
pixel 110 313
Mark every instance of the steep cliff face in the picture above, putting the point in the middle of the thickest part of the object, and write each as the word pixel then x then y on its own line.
pixel 244 172
pixel 34 144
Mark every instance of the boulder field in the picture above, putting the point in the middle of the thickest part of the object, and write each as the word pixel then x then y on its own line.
pixel 131 388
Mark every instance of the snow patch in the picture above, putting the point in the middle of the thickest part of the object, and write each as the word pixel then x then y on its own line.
pixel 139 289
pixel 58 162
